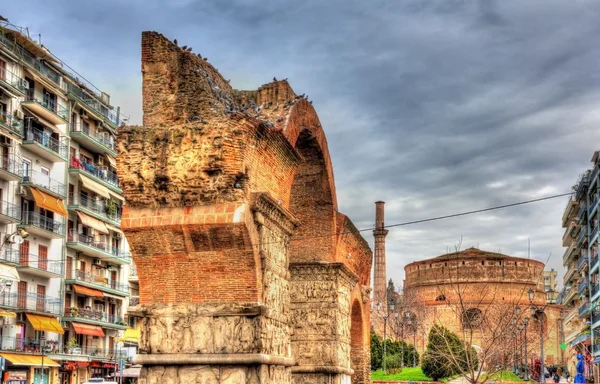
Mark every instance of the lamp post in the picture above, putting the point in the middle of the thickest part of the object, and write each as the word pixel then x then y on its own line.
pixel 385 315
pixel 412 321
pixel 538 312
pixel 42 344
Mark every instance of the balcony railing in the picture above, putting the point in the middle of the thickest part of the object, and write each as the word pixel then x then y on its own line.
pixel 582 234
pixel 8 299
pixel 584 309
pixel 94 104
pixel 11 165
pixel 99 352
pixel 134 300
pixel 74 237
pixel 102 138
pixel 43 222
pixel 595 319
pixel 582 211
pixel 39 303
pixel 595 289
pixel 11 210
pixel 58 146
pixel 98 206
pixel 44 181
pixel 13 80
pixel 594 233
pixel 593 205
pixel 101 172
pixel 594 262
pixel 49 103
pixel 583 261
pixel 11 123
pixel 41 263
pixel 99 280
pixel 583 285
pixel 596 347
pixel 81 313
pixel 582 185
pixel 26 345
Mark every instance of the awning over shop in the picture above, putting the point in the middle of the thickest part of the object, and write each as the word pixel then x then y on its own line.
pixel 30 360
pixel 10 314
pixel 91 330
pixel 88 291
pixel 49 202
pixel 45 323
pixel 94 186
pixel 113 228
pixel 131 335
pixel 9 272
pixel 92 222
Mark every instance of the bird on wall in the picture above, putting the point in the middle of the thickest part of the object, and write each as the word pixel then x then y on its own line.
pixel 189 49
pixel 175 41
pixel 184 47
pixel 274 78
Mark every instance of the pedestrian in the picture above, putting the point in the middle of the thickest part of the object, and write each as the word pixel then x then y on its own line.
pixel 556 377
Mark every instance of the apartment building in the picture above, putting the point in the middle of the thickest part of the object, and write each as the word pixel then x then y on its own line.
pixel 64 287
pixel 582 291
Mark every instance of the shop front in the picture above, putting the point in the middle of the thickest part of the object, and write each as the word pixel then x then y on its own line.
pixel 23 369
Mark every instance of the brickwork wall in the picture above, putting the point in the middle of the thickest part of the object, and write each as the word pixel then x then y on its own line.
pixel 216 182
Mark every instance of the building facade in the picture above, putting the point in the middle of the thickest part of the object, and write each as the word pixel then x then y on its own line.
pixel 65 262
pixel 476 294
pixel 581 293
pixel 550 284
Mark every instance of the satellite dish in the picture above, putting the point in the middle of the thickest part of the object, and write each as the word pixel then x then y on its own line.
pixel 17 239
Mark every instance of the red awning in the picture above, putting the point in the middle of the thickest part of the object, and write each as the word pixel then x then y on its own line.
pixel 91 330
pixel 88 291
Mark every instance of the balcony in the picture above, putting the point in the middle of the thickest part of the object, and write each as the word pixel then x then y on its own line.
pixel 26 345
pixel 97 172
pixel 98 282
pixel 13 84
pixel 594 235
pixel 594 264
pixel 595 320
pixel 593 206
pixel 583 286
pixel 569 233
pixel 39 266
pixel 46 107
pixel 97 353
pixel 584 310
pixel 569 274
pixel 569 252
pixel 8 299
pixel 92 105
pixel 11 124
pixel 42 225
pixel 95 248
pixel 32 302
pixel 582 239
pixel 9 213
pixel 40 142
pixel 595 289
pixel 568 295
pixel 92 140
pixel 582 263
pixel 89 316
pixel 53 187
pixel 97 208
pixel 571 314
pixel 10 168
pixel 582 185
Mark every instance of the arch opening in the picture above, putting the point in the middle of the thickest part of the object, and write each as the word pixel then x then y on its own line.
pixel 358 351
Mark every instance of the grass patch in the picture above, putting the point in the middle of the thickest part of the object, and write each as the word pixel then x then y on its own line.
pixel 503 376
pixel 447 379
pixel 407 374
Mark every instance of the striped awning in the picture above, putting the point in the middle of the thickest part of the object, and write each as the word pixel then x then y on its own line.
pixel 94 186
pixel 90 330
pixel 92 222
pixel 49 202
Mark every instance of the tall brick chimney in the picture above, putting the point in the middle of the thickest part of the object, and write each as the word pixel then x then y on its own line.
pixel 379 280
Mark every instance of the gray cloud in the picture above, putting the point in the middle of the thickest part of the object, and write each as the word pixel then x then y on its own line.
pixel 434 107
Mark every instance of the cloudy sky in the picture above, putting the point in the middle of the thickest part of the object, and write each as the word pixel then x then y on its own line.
pixel 433 107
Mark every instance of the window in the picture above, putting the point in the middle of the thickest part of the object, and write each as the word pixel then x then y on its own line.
pixel 441 298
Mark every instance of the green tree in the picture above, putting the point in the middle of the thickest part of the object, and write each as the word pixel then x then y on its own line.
pixel 446 354
pixel 376 352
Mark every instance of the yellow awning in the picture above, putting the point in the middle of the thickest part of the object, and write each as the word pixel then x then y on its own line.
pixel 49 202
pixel 113 228
pixel 131 335
pixel 31 360
pixel 9 272
pixel 45 323
pixel 7 314
pixel 111 160
pixel 92 222
pixel 94 186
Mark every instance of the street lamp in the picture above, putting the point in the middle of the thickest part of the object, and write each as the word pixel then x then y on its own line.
pixel 538 312
pixel 385 312
pixel 42 345
pixel 412 321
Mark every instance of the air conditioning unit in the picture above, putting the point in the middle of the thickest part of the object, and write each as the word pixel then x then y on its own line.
pixel 69 288
pixel 19 114
pixel 97 262
pixel 22 189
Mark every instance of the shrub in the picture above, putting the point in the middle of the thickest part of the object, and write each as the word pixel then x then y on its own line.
pixel 393 364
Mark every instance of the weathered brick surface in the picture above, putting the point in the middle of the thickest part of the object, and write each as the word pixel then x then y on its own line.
pixel 225 189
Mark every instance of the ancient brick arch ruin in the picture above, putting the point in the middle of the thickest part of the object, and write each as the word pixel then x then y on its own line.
pixel 247 271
